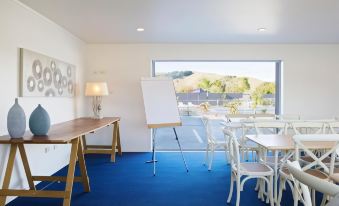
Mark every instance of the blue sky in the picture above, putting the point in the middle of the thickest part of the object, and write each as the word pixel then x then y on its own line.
pixel 261 70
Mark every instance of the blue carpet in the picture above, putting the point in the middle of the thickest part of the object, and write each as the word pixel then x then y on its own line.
pixel 130 182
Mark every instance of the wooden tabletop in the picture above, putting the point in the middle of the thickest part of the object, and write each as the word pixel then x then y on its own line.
pixel 285 142
pixel 63 132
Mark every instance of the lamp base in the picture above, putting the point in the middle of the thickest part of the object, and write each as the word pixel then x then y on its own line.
pixel 97 108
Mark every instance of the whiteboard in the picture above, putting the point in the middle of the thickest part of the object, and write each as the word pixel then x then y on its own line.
pixel 161 106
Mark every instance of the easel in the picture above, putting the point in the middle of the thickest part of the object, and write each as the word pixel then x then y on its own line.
pixel 161 109
pixel 153 160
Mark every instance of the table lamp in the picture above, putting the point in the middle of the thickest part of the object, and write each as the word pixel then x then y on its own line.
pixel 96 90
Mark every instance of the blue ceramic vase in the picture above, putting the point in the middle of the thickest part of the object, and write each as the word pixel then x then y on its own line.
pixel 16 121
pixel 39 121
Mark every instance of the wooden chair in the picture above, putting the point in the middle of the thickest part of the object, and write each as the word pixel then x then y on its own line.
pixel 248 170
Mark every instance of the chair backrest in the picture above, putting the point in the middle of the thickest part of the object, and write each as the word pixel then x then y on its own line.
pixel 290 117
pixel 302 179
pixel 233 147
pixel 209 124
pixel 334 127
pixel 317 139
pixel 308 127
pixel 247 128
pixel 316 183
pixel 270 127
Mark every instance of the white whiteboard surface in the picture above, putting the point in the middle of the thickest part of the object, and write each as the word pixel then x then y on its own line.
pixel 160 102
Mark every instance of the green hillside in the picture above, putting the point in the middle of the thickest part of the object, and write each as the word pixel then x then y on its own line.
pixel 188 81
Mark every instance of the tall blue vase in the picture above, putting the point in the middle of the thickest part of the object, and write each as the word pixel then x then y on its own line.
pixel 39 121
pixel 16 121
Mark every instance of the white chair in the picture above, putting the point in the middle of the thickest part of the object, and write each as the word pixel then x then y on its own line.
pixel 318 159
pixel 248 169
pixel 333 127
pixel 289 117
pixel 213 143
pixel 314 158
pixel 306 180
pixel 269 127
pixel 308 127
pixel 296 172
pixel 247 146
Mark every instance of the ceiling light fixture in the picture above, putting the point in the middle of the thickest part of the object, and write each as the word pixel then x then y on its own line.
pixel 262 29
pixel 140 29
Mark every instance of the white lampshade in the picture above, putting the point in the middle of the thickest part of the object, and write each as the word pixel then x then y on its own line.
pixel 96 89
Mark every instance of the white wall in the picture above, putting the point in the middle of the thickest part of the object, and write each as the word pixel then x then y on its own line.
pixel 309 84
pixel 22 28
pixel 310 77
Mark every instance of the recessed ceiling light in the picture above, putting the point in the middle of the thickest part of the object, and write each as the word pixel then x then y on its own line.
pixel 140 29
pixel 262 29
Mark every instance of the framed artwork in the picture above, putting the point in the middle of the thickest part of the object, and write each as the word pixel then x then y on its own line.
pixel 43 76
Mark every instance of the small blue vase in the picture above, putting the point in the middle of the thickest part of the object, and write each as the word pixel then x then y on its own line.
pixel 16 121
pixel 39 121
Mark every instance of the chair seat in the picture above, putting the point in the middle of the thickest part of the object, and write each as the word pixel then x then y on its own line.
pixel 313 172
pixel 254 167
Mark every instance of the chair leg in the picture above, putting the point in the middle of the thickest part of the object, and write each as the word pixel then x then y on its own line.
pixel 206 156
pixel 238 191
pixel 257 185
pixel 295 195
pixel 281 187
pixel 313 197
pixel 226 156
pixel 242 154
pixel 211 159
pixel 323 202
pixel 231 190
pixel 271 191
pixel 262 189
pixel 247 155
pixel 259 188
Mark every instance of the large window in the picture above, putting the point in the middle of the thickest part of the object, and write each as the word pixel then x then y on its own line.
pixel 233 87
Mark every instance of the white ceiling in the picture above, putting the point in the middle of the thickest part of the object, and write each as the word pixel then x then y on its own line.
pixel 195 21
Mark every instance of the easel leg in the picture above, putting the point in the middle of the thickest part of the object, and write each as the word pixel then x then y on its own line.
pixel 115 139
pixel 9 170
pixel 70 173
pixel 83 170
pixel 26 166
pixel 182 154
pixel 153 151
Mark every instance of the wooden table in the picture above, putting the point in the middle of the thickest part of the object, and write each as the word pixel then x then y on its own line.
pixel 278 143
pixel 71 132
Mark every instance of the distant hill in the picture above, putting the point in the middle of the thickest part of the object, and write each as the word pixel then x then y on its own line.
pixel 191 82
